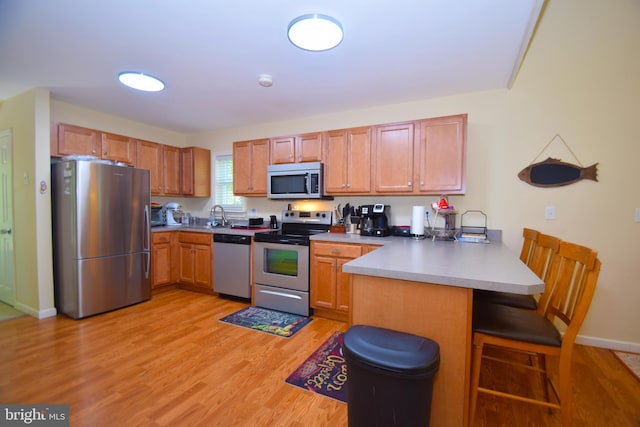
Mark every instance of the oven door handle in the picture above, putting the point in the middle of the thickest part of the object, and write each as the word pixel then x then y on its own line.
pixel 281 294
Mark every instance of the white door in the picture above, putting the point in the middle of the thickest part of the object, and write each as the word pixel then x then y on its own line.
pixel 7 292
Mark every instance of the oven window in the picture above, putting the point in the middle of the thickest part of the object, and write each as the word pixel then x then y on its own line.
pixel 281 261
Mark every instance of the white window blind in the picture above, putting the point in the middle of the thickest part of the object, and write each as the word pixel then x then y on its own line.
pixel 223 192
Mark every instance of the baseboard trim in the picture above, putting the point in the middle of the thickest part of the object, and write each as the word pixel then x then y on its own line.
pixel 38 314
pixel 631 347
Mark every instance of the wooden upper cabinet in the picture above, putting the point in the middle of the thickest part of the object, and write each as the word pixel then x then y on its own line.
pixel 118 148
pixel 296 149
pixel 172 170
pixel 393 157
pixel 78 140
pixel 441 155
pixel 347 161
pixel 283 149
pixel 83 141
pixel 309 148
pixel 250 161
pixel 149 156
pixel 196 172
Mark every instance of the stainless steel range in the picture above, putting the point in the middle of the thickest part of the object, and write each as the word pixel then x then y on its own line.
pixel 281 261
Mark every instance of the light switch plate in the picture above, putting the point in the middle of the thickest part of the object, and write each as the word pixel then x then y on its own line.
pixel 637 217
pixel 550 212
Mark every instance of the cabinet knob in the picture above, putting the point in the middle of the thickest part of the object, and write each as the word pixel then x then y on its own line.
pixel 105 153
pixel 348 185
pixel 93 151
pixel 409 183
pixel 344 185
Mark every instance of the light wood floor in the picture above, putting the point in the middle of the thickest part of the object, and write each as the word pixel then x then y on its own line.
pixel 170 362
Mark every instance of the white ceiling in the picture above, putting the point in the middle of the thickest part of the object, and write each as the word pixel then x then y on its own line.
pixel 210 54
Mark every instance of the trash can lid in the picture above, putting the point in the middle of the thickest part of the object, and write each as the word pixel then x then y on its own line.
pixel 392 350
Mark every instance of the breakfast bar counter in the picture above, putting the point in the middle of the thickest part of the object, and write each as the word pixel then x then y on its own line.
pixel 425 288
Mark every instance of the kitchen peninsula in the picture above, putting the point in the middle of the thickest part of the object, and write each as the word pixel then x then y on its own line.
pixel 426 288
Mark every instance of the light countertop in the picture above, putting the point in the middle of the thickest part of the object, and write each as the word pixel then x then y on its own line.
pixel 210 230
pixel 491 266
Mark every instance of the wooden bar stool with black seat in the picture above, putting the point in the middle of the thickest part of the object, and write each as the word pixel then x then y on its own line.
pixel 569 289
pixel 537 252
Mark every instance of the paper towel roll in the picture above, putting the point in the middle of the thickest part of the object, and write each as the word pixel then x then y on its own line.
pixel 417 220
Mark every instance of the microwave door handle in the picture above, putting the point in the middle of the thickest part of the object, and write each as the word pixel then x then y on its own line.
pixel 307 182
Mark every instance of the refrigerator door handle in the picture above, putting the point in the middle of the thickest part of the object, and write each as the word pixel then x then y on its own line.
pixel 146 229
pixel 147 268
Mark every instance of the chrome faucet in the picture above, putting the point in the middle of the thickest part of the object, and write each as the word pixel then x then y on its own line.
pixel 212 213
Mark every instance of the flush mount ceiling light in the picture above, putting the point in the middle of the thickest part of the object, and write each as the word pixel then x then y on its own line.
pixel 315 32
pixel 265 80
pixel 141 81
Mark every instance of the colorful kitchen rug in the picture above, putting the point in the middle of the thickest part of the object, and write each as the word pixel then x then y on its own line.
pixel 631 361
pixel 270 321
pixel 325 371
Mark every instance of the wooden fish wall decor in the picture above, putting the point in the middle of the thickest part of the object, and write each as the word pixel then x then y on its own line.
pixel 556 173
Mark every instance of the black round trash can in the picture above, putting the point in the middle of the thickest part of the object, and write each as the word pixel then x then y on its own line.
pixel 390 377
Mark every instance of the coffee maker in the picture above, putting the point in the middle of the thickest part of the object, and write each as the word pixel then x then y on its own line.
pixel 374 220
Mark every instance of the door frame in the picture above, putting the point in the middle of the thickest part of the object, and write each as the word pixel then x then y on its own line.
pixel 7 243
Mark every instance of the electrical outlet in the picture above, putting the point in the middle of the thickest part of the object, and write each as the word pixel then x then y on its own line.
pixel 637 217
pixel 550 212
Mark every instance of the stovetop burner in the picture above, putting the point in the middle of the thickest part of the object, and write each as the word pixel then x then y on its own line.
pixel 296 228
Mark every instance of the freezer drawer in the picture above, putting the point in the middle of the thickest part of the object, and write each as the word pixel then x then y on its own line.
pixel 287 300
pixel 92 286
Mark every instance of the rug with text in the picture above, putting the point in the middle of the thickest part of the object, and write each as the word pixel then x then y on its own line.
pixel 630 360
pixel 325 371
pixel 270 321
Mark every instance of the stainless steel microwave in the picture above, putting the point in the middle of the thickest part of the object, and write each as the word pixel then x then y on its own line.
pixel 295 181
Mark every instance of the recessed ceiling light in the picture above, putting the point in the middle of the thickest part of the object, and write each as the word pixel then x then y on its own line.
pixel 315 32
pixel 141 81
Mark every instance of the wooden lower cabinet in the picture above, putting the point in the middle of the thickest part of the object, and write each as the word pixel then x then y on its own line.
pixel 330 290
pixel 163 260
pixel 195 260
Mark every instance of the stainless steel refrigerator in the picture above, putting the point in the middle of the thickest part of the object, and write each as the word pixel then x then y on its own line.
pixel 101 240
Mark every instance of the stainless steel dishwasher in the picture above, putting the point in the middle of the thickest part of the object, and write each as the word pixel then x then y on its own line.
pixel 232 264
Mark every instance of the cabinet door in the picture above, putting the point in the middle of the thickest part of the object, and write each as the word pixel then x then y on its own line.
pixel 359 160
pixel 78 140
pixel 161 264
pixel 309 148
pixel 343 286
pixel 322 287
pixel 259 163
pixel 441 155
pixel 201 166
pixel 187 171
pixel 282 149
pixel 242 167
pixel 394 146
pixel 171 161
pixel 335 165
pixel 149 156
pixel 186 265
pixel 347 161
pixel 250 161
pixel 202 266
pixel 118 148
